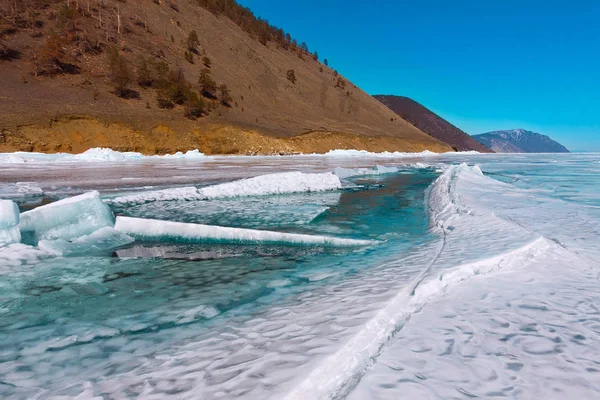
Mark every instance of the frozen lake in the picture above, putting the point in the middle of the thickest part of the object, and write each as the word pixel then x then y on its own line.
pixel 350 275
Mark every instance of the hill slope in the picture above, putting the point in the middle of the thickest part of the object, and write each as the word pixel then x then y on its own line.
pixel 520 141
pixel 431 123
pixel 145 76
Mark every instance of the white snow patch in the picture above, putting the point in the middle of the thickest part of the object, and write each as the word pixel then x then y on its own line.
pixel 94 155
pixel 155 230
pixel 385 154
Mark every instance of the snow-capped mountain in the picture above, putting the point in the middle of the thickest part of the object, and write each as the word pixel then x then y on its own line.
pixel 520 141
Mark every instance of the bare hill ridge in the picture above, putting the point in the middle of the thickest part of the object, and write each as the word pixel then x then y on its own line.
pixel 122 73
pixel 431 123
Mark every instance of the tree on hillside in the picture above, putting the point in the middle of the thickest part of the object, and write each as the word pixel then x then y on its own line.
pixel 119 73
pixel 225 95
pixel 316 56
pixel 193 41
pixel 208 86
pixel 291 76
pixel 326 62
pixel 145 76
pixel 194 105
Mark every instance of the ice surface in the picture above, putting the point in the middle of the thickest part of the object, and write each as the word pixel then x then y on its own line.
pixel 20 190
pixel 344 173
pixel 270 184
pixel 506 283
pixel 66 219
pixel 248 212
pixel 101 240
pixel 155 230
pixel 17 254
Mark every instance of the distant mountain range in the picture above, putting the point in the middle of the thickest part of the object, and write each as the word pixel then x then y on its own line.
pixel 520 141
pixel 431 123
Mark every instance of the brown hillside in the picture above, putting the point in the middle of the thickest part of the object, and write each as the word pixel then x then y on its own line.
pixel 78 67
pixel 431 123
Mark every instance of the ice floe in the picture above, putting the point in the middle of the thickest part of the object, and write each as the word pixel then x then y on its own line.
pixel 66 219
pixel 9 223
pixel 155 230
pixel 103 239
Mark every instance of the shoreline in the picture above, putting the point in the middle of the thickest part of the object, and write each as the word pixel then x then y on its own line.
pixel 75 135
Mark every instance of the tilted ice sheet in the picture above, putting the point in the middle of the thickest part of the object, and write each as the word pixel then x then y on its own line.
pixel 9 221
pixel 282 183
pixel 9 214
pixel 66 219
pixel 270 184
pixel 165 231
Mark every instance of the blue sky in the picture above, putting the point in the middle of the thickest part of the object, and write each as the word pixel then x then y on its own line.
pixel 482 64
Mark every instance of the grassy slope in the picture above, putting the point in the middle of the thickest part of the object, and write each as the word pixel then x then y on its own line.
pixel 74 112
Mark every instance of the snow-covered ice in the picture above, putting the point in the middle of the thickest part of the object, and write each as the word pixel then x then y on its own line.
pixel 270 184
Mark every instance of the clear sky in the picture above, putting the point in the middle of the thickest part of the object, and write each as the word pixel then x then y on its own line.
pixel 482 64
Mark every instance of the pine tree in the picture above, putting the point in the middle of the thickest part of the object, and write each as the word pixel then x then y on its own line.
pixel 118 71
pixel 193 42
pixel 208 86
pixel 145 76
pixel 225 95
